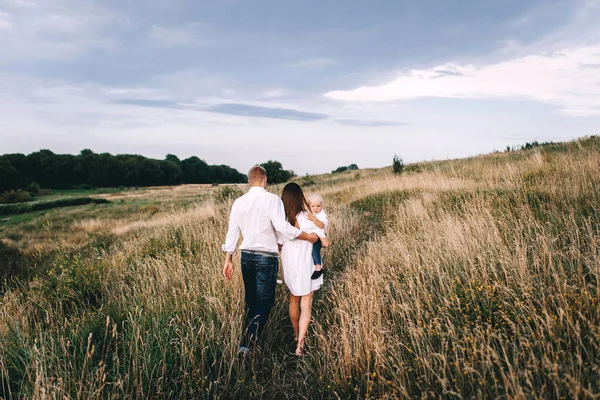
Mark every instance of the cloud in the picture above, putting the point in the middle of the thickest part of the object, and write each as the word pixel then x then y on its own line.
pixel 369 123
pixel 51 30
pixel 265 112
pixel 186 36
pixel 149 103
pixel 5 20
pixel 244 110
pixel 568 79
pixel 275 93
pixel 313 63
pixel 129 91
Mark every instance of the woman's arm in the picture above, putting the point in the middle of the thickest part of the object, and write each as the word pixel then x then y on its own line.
pixel 282 226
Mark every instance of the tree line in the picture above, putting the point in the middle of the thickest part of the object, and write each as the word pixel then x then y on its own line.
pixel 65 171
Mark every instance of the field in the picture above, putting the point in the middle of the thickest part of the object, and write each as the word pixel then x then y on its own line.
pixel 472 278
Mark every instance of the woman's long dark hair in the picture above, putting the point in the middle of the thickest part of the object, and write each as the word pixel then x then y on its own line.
pixel 293 201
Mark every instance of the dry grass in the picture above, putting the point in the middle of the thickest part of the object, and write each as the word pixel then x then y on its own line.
pixel 472 278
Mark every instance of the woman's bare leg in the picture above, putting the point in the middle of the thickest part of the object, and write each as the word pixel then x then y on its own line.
pixel 295 313
pixel 305 315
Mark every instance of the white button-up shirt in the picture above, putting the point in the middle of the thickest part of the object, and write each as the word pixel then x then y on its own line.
pixel 258 216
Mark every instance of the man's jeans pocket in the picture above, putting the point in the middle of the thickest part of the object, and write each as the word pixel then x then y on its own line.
pixel 266 278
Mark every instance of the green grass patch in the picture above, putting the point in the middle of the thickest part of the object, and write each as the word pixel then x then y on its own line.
pixel 375 207
pixel 22 208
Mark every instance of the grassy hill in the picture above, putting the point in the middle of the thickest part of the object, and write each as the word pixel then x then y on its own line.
pixel 465 278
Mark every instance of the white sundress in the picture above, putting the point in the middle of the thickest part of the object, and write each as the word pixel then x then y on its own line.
pixel 297 263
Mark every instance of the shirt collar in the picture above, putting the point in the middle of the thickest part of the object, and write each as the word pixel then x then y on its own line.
pixel 256 189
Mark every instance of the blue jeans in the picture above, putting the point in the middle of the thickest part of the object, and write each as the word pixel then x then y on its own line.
pixel 260 278
pixel 316 253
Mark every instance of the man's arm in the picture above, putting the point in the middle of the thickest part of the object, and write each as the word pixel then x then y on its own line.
pixel 282 226
pixel 233 234
pixel 309 237
pixel 228 266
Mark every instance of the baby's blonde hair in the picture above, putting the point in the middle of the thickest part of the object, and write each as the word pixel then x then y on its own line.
pixel 315 197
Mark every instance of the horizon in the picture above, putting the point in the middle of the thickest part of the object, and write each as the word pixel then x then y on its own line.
pixel 314 86
pixel 512 148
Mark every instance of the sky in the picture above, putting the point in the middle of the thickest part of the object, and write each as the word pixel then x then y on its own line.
pixel 315 84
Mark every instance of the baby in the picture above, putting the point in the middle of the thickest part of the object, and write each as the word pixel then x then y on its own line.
pixel 319 218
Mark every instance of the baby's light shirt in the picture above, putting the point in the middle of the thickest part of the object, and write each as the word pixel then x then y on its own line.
pixel 312 228
pixel 322 216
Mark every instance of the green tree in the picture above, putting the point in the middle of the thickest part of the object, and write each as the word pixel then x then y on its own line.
pixel 10 178
pixel 49 170
pixel 173 158
pixel 171 172
pixel 196 170
pixel 276 173
pixel 398 165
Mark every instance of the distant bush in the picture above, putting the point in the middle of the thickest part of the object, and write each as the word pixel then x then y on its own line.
pixel 529 146
pixel 15 196
pixel 535 144
pixel 351 167
pixel 71 281
pixel 6 209
pixel 398 165
pixel 307 180
pixel 33 188
pixel 228 193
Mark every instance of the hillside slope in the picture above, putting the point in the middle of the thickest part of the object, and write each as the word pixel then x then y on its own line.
pixel 463 278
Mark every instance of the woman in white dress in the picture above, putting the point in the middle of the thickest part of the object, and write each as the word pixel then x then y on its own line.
pixel 297 262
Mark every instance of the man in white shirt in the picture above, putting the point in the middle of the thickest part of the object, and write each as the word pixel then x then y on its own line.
pixel 258 216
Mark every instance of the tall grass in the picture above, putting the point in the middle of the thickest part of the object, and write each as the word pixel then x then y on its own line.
pixel 473 278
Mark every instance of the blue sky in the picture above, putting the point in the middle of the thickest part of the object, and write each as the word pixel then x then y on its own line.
pixel 314 84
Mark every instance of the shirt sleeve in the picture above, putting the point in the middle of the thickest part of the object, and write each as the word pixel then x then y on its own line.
pixel 233 233
pixel 281 225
